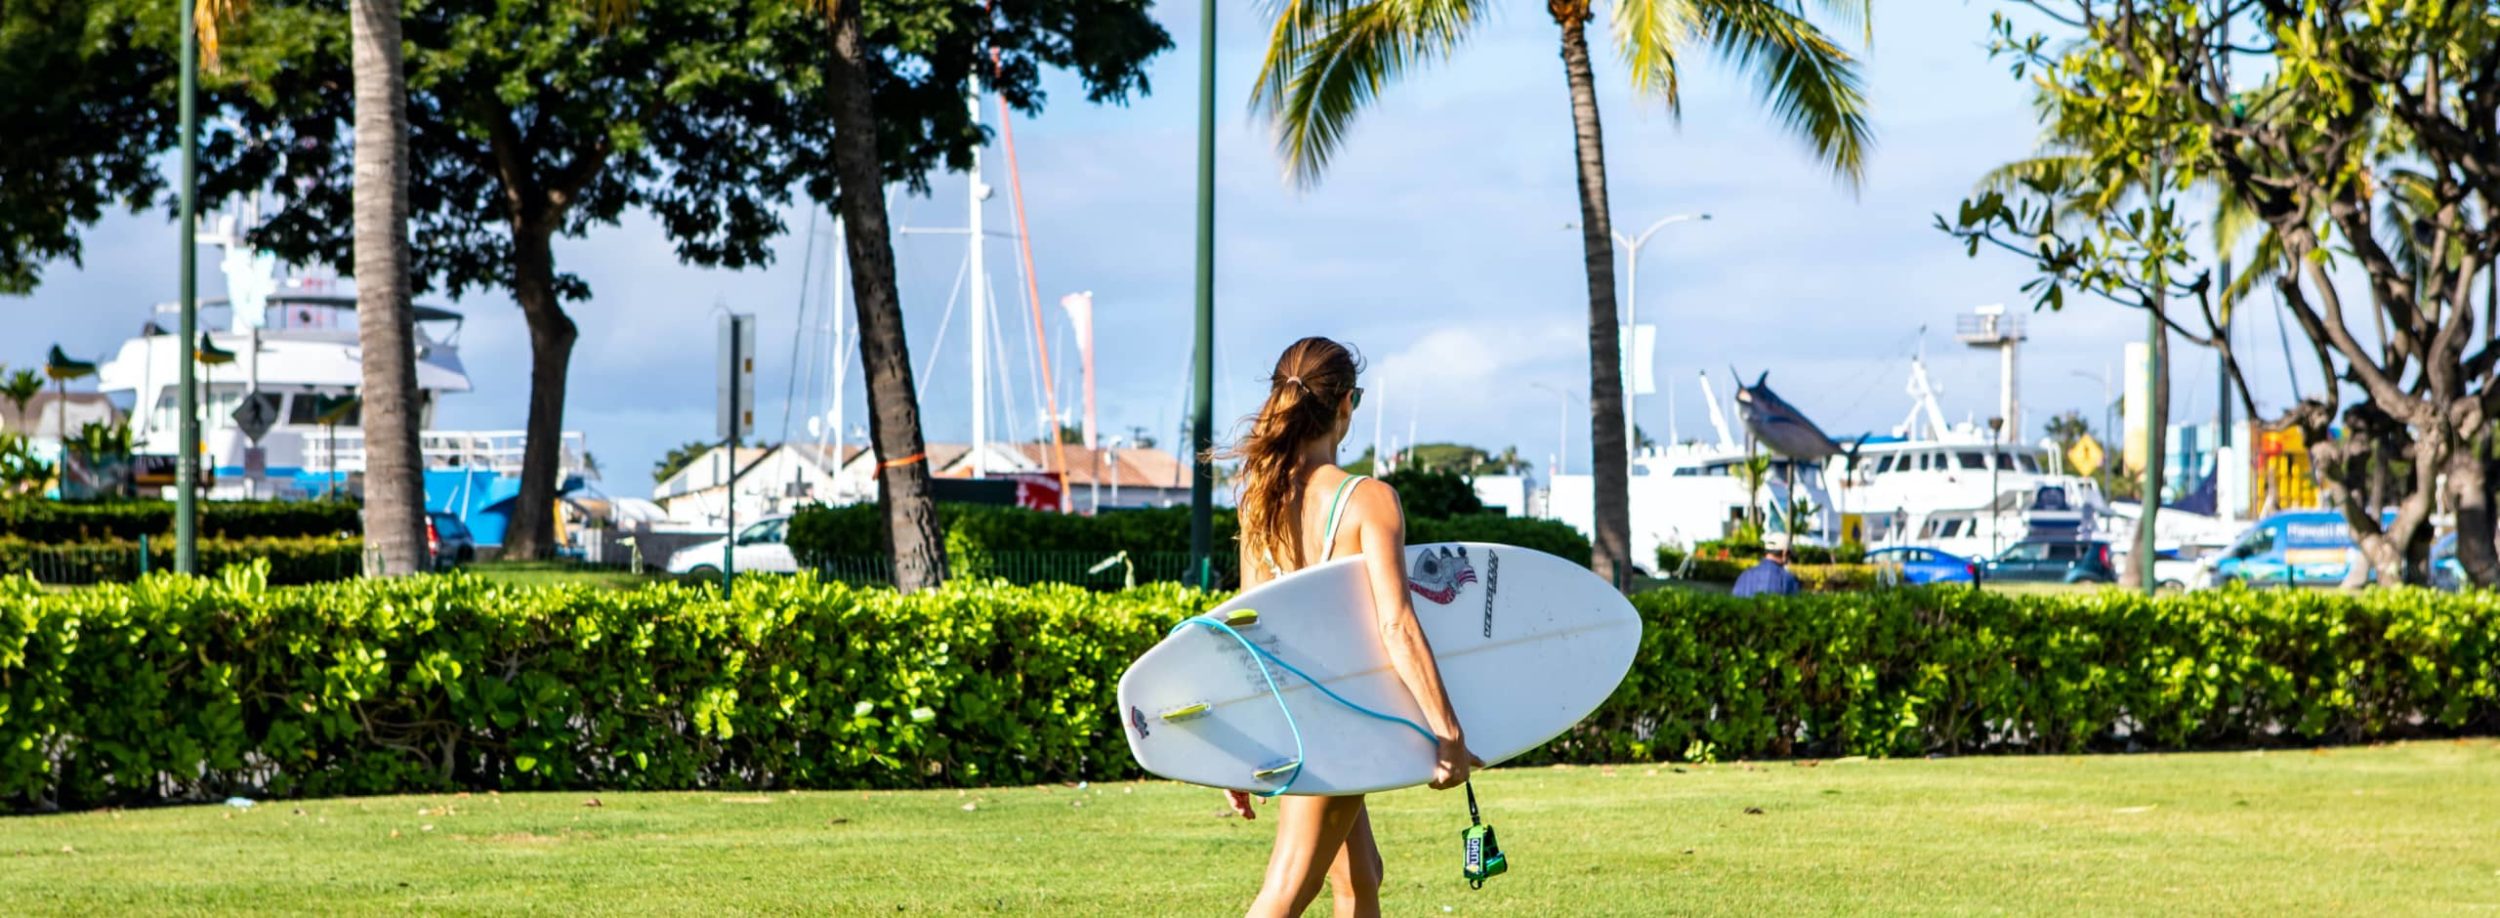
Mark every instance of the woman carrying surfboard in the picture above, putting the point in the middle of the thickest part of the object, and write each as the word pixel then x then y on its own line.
pixel 1298 508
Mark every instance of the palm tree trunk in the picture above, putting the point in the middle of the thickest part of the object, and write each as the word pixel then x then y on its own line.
pixel 385 320
pixel 1612 542
pixel 552 334
pixel 894 411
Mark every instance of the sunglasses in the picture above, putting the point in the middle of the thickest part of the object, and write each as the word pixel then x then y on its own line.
pixel 1355 398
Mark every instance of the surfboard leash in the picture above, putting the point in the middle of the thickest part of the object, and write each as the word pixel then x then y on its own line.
pixel 1262 656
pixel 1483 858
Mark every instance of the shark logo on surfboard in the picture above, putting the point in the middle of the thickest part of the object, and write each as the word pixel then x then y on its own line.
pixel 1438 574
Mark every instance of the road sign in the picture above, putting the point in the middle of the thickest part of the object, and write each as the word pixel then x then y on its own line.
pixel 2086 455
pixel 255 416
pixel 736 387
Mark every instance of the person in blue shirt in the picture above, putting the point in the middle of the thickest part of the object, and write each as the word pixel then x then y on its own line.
pixel 1771 576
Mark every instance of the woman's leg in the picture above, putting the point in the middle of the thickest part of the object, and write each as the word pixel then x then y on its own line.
pixel 1355 876
pixel 1310 832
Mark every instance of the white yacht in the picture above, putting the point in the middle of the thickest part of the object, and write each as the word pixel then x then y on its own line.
pixel 278 356
pixel 1960 488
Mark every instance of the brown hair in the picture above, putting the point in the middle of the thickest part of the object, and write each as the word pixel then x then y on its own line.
pixel 1312 378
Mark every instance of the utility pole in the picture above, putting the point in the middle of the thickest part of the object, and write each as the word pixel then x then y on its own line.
pixel 187 465
pixel 1202 370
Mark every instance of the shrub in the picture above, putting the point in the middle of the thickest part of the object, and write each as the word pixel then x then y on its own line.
pixel 984 541
pixel 1434 493
pixel 295 560
pixel 54 521
pixel 201 687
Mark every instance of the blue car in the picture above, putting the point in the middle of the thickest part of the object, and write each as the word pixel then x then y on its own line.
pixel 1922 566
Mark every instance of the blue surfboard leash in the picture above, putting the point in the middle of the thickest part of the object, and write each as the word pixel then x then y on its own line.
pixel 1262 656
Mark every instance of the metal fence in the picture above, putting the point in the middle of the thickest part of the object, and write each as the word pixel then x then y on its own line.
pixel 1095 570
pixel 82 565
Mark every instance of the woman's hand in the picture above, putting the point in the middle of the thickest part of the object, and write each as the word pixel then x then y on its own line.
pixel 1454 763
pixel 1240 802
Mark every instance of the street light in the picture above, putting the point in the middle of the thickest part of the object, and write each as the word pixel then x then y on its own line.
pixel 1632 317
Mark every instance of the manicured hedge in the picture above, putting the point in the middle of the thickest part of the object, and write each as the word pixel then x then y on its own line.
pixel 294 560
pixel 55 521
pixel 200 687
pixel 977 536
pixel 1955 670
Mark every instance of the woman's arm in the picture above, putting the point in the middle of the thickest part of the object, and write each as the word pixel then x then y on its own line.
pixel 1381 525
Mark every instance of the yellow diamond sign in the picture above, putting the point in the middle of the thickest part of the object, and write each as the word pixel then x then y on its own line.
pixel 2086 455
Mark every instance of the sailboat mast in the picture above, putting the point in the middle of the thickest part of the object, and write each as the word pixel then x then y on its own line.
pixel 977 284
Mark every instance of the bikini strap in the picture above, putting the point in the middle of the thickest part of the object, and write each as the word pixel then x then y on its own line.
pixel 1336 505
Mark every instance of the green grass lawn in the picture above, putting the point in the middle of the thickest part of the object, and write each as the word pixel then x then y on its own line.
pixel 2405 828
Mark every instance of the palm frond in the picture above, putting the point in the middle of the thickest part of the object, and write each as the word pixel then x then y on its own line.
pixel 2046 169
pixel 1811 84
pixel 2266 262
pixel 1647 35
pixel 1325 64
pixel 2234 217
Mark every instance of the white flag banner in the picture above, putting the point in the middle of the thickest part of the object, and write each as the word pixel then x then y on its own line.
pixel 1639 344
pixel 1080 307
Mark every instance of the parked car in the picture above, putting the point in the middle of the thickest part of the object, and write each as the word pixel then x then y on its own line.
pixel 2294 548
pixel 761 546
pixel 1922 566
pixel 448 541
pixel 2447 573
pixel 2046 561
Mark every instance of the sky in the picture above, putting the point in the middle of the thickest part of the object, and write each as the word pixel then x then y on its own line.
pixel 1440 243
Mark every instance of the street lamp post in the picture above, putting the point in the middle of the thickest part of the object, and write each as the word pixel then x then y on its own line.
pixel 1632 318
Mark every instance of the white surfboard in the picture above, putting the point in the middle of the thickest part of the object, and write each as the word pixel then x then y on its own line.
pixel 1528 644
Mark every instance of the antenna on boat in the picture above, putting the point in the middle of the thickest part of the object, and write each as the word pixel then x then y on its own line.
pixel 1718 419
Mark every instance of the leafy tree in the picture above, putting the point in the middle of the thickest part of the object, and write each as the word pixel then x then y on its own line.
pixel 1429 493
pixel 1326 60
pixel 2338 110
pixel 86 120
pixel 531 120
pixel 2067 428
pixel 678 458
pixel 894 82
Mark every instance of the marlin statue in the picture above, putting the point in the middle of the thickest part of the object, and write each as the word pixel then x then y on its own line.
pixel 1779 425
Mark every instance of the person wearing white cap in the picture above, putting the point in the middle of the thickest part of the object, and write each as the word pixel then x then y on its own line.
pixel 1771 575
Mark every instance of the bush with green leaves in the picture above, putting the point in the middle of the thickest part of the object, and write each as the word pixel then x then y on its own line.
pixel 190 688
pixel 290 560
pixel 983 541
pixel 201 687
pixel 1434 493
pixel 55 521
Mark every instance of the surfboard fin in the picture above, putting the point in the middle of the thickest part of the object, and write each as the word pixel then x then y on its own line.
pixel 1242 618
pixel 1189 711
pixel 1276 769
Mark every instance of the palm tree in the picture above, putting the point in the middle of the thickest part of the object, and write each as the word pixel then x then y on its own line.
pixel 385 318
pixel 21 388
pixel 894 411
pixel 1326 60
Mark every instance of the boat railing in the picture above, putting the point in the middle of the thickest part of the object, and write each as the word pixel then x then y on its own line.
pixel 490 450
